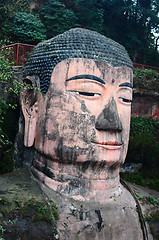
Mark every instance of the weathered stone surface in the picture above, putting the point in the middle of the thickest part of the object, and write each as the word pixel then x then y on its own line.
pixel 23 157
pixel 20 199
pixel 81 145
pixel 92 220
pixel 145 104
pixel 117 218
pixel 78 219
pixel 130 167
pixel 80 132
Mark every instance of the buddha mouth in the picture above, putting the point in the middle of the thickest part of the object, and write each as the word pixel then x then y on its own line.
pixel 109 145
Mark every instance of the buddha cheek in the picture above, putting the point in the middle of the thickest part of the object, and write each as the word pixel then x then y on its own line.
pixel 77 129
pixel 125 132
pixel 67 136
pixel 75 124
pixel 74 141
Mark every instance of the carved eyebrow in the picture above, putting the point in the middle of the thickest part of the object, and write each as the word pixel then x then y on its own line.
pixel 86 76
pixel 126 84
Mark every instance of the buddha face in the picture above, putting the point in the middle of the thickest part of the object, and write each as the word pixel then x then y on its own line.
pixel 85 115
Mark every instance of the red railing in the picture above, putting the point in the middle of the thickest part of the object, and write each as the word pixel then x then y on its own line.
pixel 142 66
pixel 18 52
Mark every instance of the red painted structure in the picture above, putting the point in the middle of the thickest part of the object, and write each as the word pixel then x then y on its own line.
pixel 142 66
pixel 144 103
pixel 18 52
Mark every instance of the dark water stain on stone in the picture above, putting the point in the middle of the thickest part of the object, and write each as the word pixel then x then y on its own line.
pixel 99 224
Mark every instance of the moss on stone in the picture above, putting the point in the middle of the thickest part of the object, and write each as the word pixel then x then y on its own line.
pixel 25 212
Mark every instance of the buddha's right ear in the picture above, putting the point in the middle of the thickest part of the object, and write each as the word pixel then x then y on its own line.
pixel 29 97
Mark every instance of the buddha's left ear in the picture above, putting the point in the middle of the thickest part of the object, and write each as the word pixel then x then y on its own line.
pixel 29 97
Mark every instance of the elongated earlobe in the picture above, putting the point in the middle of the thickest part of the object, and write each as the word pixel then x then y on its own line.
pixel 29 96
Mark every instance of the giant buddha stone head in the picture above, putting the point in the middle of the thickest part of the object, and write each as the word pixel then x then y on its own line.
pixel 79 120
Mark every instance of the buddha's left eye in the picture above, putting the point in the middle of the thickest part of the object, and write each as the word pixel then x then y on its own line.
pixel 125 100
pixel 87 94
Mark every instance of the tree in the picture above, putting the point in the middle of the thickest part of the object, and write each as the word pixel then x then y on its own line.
pixel 8 9
pixel 131 23
pixel 56 17
pixel 89 13
pixel 26 28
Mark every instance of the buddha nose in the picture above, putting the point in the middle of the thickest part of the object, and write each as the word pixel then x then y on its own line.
pixel 108 119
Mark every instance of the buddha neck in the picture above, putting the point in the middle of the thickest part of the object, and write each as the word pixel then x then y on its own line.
pixel 92 183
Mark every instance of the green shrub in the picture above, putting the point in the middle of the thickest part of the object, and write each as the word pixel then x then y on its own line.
pixel 6 163
pixel 147 79
pixel 7 101
pixel 56 17
pixel 151 182
pixel 144 142
pixel 26 28
pixel 55 211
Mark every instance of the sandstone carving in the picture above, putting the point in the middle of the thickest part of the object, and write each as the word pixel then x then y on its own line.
pixel 79 127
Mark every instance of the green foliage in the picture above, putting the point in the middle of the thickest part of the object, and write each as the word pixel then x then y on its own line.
pixel 11 7
pixel 147 79
pixel 36 210
pixel 140 179
pixel 33 212
pixel 55 211
pixel 140 197
pixel 144 132
pixel 56 17
pixel 151 200
pixel 144 142
pixel 133 178
pixel 90 14
pixel 9 112
pixel 6 72
pixel 148 218
pixel 8 9
pixel 3 108
pixel 2 229
pixel 144 125
pixel 7 131
pixel 42 213
pixel 6 155
pixel 25 28
pixel 131 23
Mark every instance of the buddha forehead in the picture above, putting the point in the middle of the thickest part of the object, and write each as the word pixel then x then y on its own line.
pixel 75 43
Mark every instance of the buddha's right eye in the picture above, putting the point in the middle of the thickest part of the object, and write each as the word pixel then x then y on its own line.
pixel 87 94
